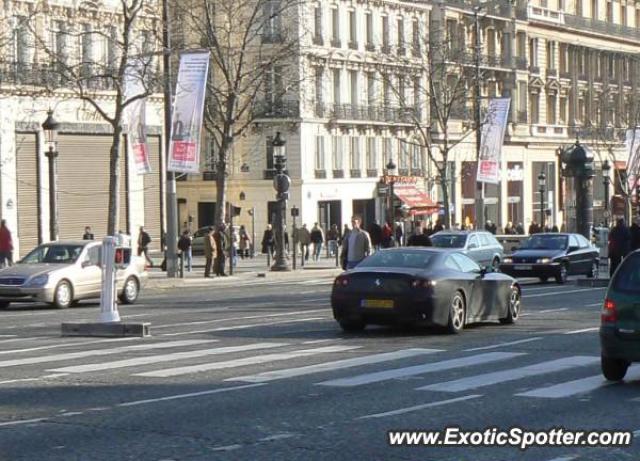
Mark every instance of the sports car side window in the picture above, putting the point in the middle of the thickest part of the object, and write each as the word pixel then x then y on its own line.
pixel 451 264
pixel 584 243
pixel 466 264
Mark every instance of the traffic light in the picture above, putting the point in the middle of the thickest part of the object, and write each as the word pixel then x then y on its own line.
pixel 122 257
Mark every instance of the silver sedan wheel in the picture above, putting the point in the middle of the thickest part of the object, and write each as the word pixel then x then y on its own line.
pixel 63 295
pixel 130 291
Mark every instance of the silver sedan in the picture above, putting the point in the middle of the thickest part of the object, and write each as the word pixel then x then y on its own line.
pixel 63 272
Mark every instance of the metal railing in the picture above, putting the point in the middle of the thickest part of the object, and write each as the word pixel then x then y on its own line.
pixel 276 109
pixel 50 75
pixel 604 27
pixel 386 114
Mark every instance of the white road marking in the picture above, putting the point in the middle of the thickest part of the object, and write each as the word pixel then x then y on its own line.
pixel 330 366
pixel 555 293
pixel 584 330
pixel 513 374
pixel 21 422
pixel 164 358
pixel 594 304
pixel 187 396
pixel 8 336
pixel 248 317
pixel 11 381
pixel 243 327
pixel 317 341
pixel 227 448
pixel 56 346
pixel 546 311
pixel 271 438
pixel 512 343
pixel 419 407
pixel 386 375
pixel 245 361
pixel 636 433
pixel 565 458
pixel 577 386
pixel 100 352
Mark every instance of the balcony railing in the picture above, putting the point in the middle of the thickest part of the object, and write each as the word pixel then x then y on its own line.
pixel 50 75
pixel 385 114
pixel 353 45
pixel 354 173
pixel 320 174
pixel 336 43
pixel 565 74
pixel 521 116
pixel 487 60
pixel 318 40
pixel 372 173
pixel 338 173
pixel 604 27
pixel 521 63
pixel 552 72
pixel 277 109
pixel 272 37
pixel 370 46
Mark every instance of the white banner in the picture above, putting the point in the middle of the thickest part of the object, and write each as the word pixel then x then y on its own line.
pixel 188 107
pixel 135 118
pixel 633 163
pixel 491 141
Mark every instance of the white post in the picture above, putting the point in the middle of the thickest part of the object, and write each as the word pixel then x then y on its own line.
pixel 108 305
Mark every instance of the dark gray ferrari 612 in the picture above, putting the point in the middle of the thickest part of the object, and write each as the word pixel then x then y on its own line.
pixel 423 286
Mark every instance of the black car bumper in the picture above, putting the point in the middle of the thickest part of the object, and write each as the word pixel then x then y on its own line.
pixel 616 345
pixel 419 311
pixel 531 270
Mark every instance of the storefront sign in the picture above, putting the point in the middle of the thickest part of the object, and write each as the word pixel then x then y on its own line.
pixel 388 179
pixel 492 138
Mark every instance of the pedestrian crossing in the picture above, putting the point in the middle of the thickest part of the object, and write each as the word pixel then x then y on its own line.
pixel 327 364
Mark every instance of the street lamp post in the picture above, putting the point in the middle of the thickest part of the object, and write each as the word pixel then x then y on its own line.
pixel 50 128
pixel 281 183
pixel 542 183
pixel 606 180
pixel 391 167
pixel 295 212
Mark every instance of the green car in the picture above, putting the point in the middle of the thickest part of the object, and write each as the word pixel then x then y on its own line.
pixel 620 320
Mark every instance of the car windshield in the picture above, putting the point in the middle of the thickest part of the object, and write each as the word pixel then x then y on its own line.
pixel 409 259
pixel 627 279
pixel 448 240
pixel 55 254
pixel 545 242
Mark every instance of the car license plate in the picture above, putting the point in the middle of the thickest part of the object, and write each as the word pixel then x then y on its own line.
pixel 523 267
pixel 378 303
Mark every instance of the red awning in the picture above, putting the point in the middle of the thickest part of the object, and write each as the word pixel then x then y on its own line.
pixel 418 202
pixel 621 164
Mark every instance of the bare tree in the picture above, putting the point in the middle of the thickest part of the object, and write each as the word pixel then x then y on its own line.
pixel 253 45
pixel 439 76
pixel 131 42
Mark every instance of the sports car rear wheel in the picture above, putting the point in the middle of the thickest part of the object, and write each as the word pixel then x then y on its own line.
pixel 351 326
pixel 4 304
pixel 457 309
pixel 513 307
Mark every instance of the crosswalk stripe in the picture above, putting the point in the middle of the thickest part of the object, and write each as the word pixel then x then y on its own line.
pixel 487 379
pixel 245 361
pixel 165 358
pixel 99 352
pixel 385 375
pixel 330 366
pixel 577 386
pixel 244 327
pixel 402 411
pixel 57 346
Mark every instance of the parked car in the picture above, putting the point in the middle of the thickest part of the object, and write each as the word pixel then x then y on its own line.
pixel 553 255
pixel 620 320
pixel 61 273
pixel 423 286
pixel 480 246
pixel 197 243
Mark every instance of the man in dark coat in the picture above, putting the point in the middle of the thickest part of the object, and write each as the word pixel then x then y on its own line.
pixel 634 230
pixel 421 239
pixel 375 233
pixel 220 237
pixel 619 244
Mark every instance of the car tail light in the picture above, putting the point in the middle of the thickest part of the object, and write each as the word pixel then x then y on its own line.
pixel 421 283
pixel 609 313
pixel 341 281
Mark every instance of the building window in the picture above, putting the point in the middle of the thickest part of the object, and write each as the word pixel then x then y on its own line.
pixel 637 18
pixel 579 8
pixel 416 93
pixel 372 153
pixel 551 109
pixel 319 74
pixel 610 12
pixel 402 90
pixel 268 150
pixel 86 50
pixel 594 9
pixel 336 86
pixel 551 54
pixel 336 142
pixel 59 44
pixel 335 27
pixel 371 89
pixel 563 110
pixel 353 30
pixel 623 14
pixel 416 158
pixel 353 80
pixel 385 34
pixel 354 155
pixel 400 31
pixel 369 29
pixel 320 152
pixel 415 37
pixel 387 151
pixel 533 53
pixel 317 21
pixel 534 100
pixel 581 116
pixel 271 26
pixel 612 67
pixel 403 154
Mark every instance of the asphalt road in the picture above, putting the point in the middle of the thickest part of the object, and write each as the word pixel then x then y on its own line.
pixel 257 370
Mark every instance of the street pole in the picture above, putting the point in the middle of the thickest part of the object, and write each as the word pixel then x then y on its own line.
pixel 231 247
pixel 477 96
pixel 542 209
pixel 52 155
pixel 605 178
pixel 253 232
pixel 171 196
pixel 294 239
pixel 282 182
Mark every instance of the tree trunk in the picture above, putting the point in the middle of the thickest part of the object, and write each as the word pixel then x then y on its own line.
pixel 114 182
pixel 444 181
pixel 221 183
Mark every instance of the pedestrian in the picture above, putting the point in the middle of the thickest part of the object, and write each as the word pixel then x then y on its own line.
pixel 6 245
pixel 234 247
pixel 634 232
pixel 220 238
pixel 356 246
pixel 345 232
pixel 439 226
pixel 520 229
pixel 88 235
pixel 317 237
pixel 144 239
pixel 333 236
pixel 376 235
pixel 268 241
pixel 184 245
pixel 619 244
pixel 387 237
pixel 209 246
pixel 245 243
pixel 490 227
pixel 533 228
pixel 399 234
pixel 304 237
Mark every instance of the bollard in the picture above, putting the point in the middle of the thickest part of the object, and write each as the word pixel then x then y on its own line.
pixel 268 257
pixel 181 264
pixel 108 303
pixel 337 256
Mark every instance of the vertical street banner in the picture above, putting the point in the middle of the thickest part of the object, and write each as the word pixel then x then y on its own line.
pixel 188 107
pixel 493 129
pixel 135 118
pixel 633 163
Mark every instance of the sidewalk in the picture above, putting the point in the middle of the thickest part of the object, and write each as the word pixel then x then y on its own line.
pixel 246 269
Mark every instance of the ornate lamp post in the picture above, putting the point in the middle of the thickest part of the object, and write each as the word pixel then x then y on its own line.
pixel 606 181
pixel 542 185
pixel 50 128
pixel 281 183
pixel 391 167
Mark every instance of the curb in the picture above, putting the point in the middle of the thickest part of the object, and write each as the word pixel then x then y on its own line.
pixel 592 283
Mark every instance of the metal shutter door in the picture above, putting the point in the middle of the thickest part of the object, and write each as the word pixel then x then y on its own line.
pixel 83 185
pixel 28 231
pixel 152 192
